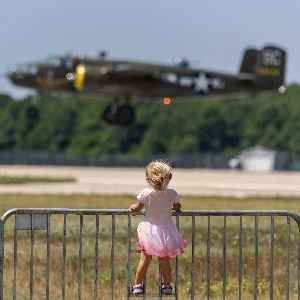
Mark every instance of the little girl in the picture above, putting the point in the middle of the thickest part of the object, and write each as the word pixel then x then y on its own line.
pixel 157 233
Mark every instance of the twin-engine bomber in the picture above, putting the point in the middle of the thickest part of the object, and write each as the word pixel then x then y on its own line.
pixel 260 70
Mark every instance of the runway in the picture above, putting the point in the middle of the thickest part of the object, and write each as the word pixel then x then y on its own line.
pixel 130 181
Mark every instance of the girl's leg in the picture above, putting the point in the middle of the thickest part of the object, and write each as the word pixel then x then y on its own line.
pixel 142 268
pixel 164 263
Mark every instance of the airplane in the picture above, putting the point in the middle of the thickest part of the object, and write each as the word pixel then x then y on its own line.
pixel 260 70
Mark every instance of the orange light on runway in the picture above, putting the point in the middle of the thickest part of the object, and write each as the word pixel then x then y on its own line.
pixel 167 100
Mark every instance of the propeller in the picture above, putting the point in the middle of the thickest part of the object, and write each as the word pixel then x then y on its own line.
pixel 78 77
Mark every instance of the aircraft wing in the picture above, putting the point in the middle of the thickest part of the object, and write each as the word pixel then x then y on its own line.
pixel 123 70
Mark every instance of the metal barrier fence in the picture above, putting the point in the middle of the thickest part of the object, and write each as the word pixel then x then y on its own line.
pixel 92 254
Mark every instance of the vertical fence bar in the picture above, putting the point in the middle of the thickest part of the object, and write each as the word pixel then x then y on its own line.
pixel 159 283
pixel 112 255
pixel 193 260
pixel 224 259
pixel 64 250
pixel 256 258
pixel 128 283
pixel 15 261
pixel 208 259
pixel 240 241
pixel 80 257
pixel 288 245
pixel 176 265
pixel 31 255
pixel 272 259
pixel 48 258
pixel 96 258
pixel 145 287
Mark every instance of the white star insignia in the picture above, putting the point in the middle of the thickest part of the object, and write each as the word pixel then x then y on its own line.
pixel 201 84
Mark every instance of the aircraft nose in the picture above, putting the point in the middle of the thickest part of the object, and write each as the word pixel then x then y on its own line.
pixel 19 72
pixel 11 74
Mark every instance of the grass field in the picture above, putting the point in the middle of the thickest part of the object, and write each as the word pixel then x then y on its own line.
pixel 25 180
pixel 8 202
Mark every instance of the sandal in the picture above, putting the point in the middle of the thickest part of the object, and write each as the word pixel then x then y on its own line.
pixel 137 289
pixel 166 289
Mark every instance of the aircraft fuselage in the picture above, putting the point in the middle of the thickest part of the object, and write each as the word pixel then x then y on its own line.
pixel 260 70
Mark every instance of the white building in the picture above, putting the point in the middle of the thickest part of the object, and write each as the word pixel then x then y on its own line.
pixel 255 159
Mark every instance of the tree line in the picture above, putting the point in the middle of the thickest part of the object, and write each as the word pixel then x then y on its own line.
pixel 186 126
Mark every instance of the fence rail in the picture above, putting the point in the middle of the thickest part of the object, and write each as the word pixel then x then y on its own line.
pixel 93 254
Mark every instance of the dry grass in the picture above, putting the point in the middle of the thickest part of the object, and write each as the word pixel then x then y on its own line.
pixel 120 258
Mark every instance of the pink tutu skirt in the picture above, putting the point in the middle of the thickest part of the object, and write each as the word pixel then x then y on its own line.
pixel 162 240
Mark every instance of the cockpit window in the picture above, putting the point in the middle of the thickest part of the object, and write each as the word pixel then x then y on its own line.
pixel 24 69
pixel 54 61
pixel 58 61
pixel 68 62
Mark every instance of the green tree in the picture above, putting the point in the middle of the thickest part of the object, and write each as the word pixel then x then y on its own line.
pixel 74 125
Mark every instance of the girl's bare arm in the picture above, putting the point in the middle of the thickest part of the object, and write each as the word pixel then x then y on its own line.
pixel 137 206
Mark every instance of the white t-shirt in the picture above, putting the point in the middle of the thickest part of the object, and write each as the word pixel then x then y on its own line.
pixel 158 206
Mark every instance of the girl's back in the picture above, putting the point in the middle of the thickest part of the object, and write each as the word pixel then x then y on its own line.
pixel 158 206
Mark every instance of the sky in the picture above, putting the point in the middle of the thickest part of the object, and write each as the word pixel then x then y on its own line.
pixel 210 33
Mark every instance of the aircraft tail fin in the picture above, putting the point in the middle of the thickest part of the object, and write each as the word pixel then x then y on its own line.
pixel 266 67
pixel 248 62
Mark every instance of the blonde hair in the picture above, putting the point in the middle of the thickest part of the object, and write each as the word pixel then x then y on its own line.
pixel 158 175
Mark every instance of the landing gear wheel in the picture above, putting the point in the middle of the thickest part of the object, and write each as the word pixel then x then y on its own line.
pixel 32 113
pixel 125 115
pixel 110 114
